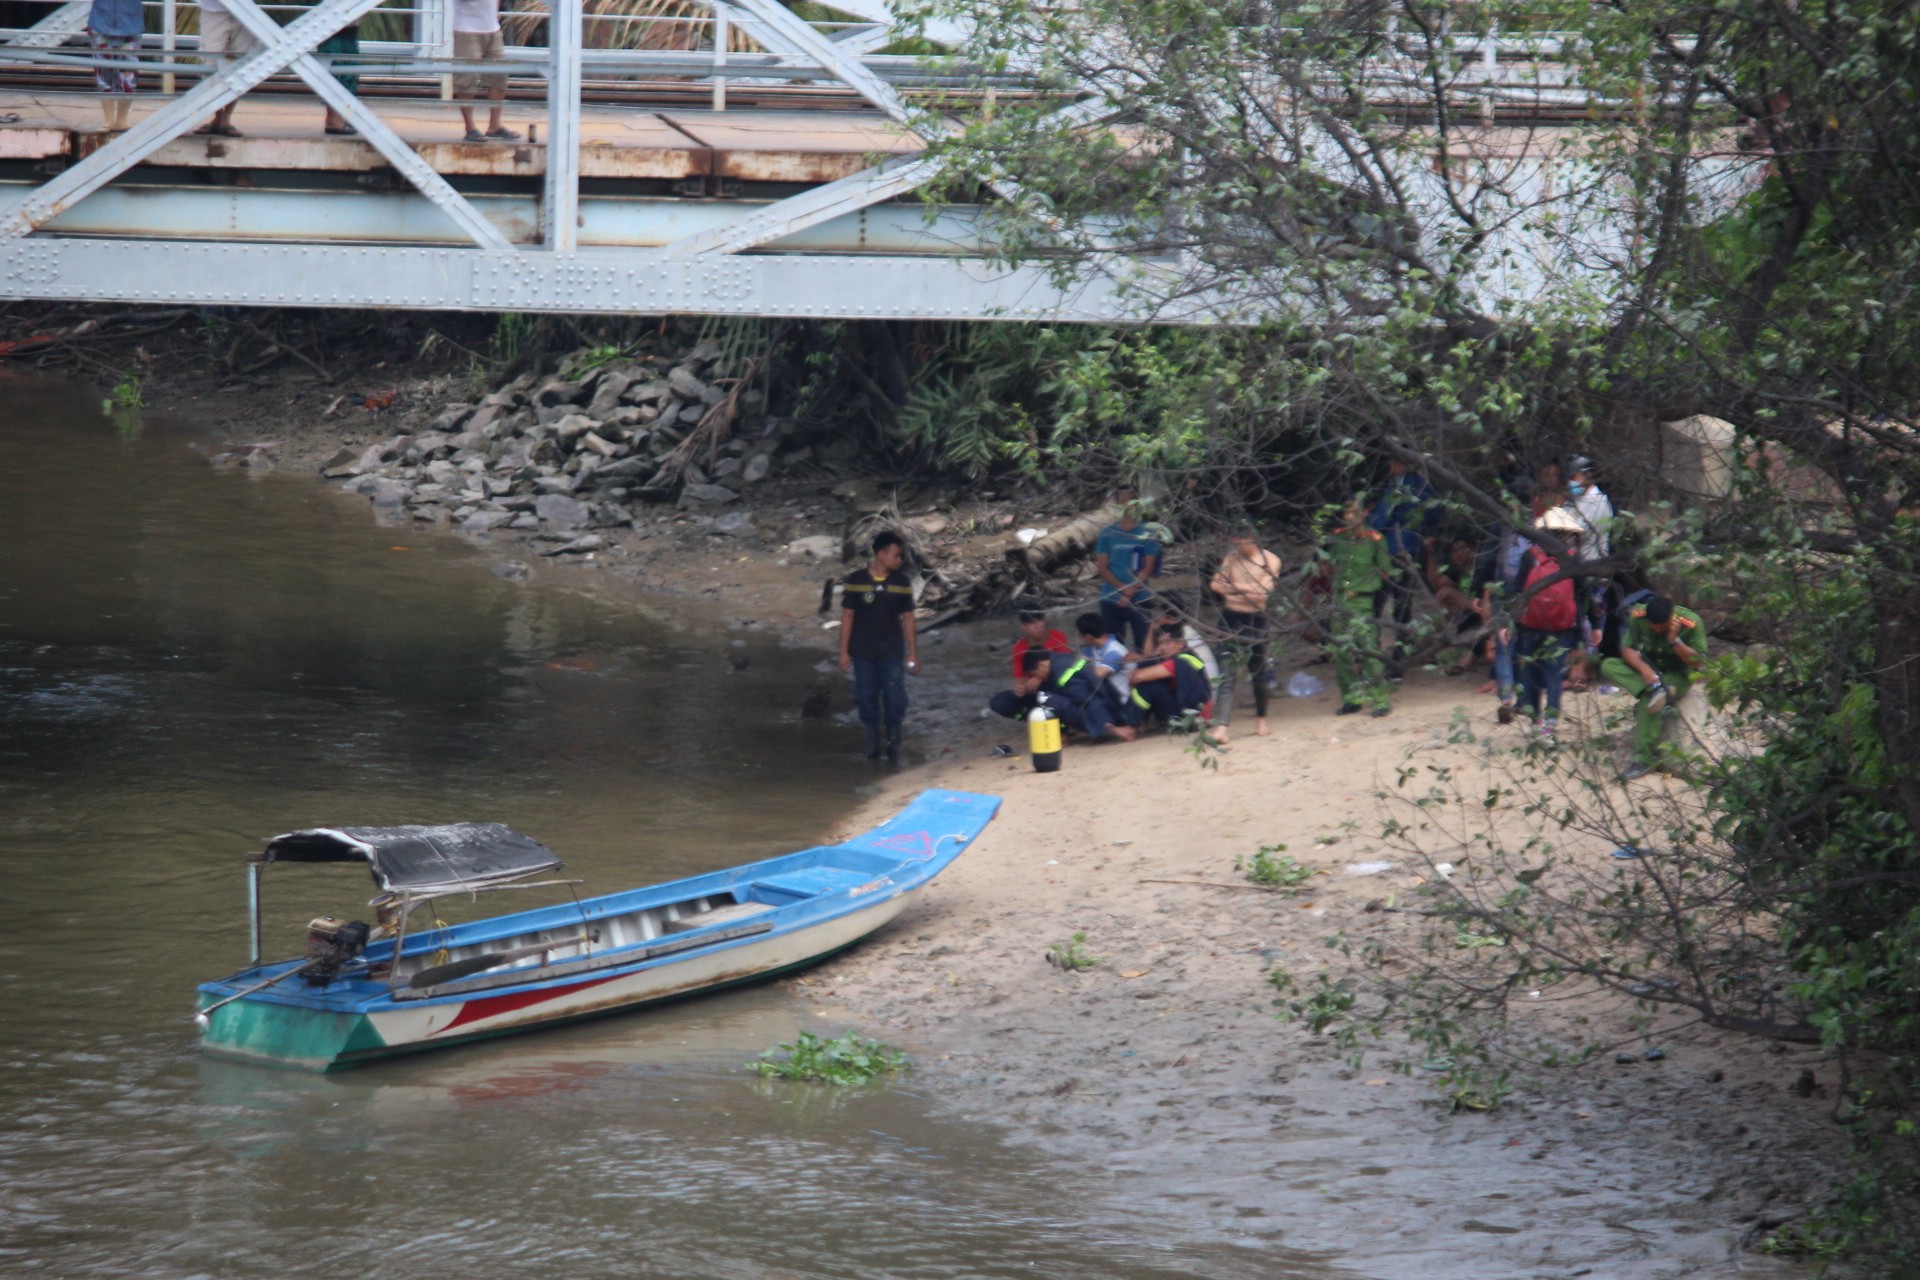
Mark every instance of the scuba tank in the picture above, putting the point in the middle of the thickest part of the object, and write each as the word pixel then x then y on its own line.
pixel 1043 738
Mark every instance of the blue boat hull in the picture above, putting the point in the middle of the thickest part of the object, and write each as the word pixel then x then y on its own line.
pixel 604 955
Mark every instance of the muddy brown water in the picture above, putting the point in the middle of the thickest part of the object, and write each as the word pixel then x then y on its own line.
pixel 192 661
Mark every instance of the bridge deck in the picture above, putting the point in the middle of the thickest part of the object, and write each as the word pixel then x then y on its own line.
pixel 283 133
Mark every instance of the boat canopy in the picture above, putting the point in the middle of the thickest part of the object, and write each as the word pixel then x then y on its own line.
pixel 421 860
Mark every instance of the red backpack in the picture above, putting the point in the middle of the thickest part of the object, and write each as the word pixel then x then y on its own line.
pixel 1553 609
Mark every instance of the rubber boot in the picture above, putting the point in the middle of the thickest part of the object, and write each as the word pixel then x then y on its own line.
pixel 893 744
pixel 873 742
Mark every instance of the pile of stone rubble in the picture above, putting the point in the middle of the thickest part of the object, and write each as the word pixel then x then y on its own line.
pixel 564 455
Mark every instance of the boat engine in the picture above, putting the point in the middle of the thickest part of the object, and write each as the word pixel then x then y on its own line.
pixel 330 945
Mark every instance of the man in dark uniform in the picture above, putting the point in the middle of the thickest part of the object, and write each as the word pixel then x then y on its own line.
pixel 1173 685
pixel 878 646
pixel 1069 687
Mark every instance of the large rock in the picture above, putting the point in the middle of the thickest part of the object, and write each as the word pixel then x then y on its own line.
pixel 756 468
pixel 736 524
pixel 559 483
pixel 558 508
pixel 707 349
pixel 693 413
pixel 573 425
pixel 605 448
pixel 389 493
pixel 558 391
pixel 708 495
pixel 685 385
pixel 626 469
pixel 481 521
pixel 820 546
pixel 449 418
pixel 648 392
pixel 611 515
pixel 606 400
pixel 484 418
pixel 579 546
pixel 445 473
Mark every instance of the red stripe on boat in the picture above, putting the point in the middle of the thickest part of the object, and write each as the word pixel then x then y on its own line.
pixel 493 1006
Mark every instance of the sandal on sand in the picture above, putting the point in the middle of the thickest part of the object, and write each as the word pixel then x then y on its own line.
pixel 503 134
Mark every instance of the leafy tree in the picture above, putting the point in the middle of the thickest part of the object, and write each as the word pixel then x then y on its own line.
pixel 1671 207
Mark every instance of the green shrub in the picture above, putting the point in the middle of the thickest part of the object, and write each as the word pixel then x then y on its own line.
pixel 849 1060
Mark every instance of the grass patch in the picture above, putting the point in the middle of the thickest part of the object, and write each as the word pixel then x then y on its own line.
pixel 1072 955
pixel 1271 866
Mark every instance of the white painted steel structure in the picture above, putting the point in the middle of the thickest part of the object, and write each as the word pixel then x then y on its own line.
pixel 97 231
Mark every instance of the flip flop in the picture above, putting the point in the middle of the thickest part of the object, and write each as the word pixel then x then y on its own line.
pixel 474 135
pixel 503 134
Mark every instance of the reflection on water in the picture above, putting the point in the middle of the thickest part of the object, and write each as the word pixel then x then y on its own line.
pixel 191 662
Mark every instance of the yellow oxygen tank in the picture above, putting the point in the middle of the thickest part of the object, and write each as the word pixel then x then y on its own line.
pixel 1043 739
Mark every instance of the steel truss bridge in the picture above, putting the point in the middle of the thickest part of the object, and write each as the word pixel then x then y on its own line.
pixel 760 165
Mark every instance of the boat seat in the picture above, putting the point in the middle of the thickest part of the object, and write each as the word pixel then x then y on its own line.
pixel 812 882
pixel 718 915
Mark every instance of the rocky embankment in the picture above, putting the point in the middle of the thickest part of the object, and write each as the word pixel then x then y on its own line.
pixel 563 456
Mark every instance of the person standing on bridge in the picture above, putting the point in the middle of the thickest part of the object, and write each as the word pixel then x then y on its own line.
pixel 477 38
pixel 222 39
pixel 113 29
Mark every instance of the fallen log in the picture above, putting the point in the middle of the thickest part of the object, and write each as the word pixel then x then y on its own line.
pixel 1069 542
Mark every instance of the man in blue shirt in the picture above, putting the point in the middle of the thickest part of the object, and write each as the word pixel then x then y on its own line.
pixel 1403 514
pixel 1126 557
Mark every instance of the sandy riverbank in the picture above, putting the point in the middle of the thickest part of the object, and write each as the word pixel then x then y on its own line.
pixel 1166 1064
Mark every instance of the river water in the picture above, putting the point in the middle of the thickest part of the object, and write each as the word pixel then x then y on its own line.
pixel 192 661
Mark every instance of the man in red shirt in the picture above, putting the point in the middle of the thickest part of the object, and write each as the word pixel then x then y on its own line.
pixel 1014 703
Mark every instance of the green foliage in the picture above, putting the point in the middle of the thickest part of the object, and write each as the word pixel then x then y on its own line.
pixel 848 1060
pixel 126 395
pixel 596 357
pixel 510 334
pixel 1321 1008
pixel 1072 956
pixel 1280 872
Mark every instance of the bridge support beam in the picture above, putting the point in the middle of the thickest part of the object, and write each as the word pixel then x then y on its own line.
pixel 615 282
pixel 560 224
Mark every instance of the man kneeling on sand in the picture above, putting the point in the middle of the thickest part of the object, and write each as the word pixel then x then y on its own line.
pixel 1174 684
pixel 1109 658
pixel 1070 689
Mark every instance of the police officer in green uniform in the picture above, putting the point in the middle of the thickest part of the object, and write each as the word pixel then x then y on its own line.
pixel 1661 650
pixel 1360 566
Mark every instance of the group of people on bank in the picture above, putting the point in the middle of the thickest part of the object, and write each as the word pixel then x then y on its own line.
pixel 1532 600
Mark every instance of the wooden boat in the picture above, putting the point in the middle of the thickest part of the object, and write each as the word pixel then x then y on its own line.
pixel 363 993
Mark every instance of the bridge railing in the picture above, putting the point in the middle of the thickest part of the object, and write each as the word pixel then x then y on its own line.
pixel 717 46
